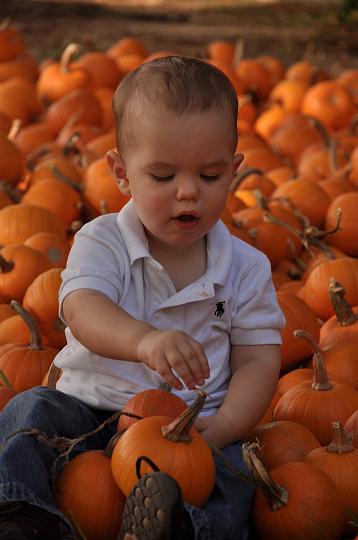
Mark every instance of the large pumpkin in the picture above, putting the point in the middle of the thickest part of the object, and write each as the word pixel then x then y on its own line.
pixel 295 501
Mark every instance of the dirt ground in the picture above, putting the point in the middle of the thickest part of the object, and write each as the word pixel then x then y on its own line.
pixel 287 29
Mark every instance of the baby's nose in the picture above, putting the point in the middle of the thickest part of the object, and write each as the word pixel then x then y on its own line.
pixel 187 188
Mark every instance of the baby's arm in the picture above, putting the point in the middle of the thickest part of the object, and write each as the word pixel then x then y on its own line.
pixel 107 330
pixel 255 371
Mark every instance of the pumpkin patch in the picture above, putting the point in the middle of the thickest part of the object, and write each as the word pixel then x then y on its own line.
pixel 295 199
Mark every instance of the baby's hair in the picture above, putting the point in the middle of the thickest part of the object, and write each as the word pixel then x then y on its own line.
pixel 180 84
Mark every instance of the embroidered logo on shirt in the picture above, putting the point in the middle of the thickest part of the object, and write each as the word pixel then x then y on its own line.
pixel 219 311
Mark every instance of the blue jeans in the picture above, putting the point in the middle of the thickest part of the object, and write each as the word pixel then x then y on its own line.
pixel 25 462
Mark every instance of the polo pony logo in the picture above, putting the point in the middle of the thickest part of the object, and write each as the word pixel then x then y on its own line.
pixel 219 311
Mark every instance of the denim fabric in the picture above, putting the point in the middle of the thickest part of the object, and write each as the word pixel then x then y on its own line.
pixel 25 462
pixel 226 514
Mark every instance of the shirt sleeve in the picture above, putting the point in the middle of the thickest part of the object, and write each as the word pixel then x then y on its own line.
pixel 258 319
pixel 93 263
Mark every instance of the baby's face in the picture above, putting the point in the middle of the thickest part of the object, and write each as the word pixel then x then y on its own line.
pixel 179 170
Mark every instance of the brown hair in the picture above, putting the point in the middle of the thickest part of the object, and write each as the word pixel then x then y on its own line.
pixel 181 84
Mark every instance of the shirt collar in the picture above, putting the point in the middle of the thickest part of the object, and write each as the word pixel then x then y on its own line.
pixel 219 243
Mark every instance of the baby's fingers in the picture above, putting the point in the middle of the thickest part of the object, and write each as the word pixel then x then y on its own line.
pixel 168 376
pixel 200 367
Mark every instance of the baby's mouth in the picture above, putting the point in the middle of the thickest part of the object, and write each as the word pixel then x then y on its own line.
pixel 187 218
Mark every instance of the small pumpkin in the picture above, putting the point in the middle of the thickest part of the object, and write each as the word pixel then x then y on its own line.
pixel 174 446
pixel 85 491
pixel 26 365
pixel 19 266
pixel 318 403
pixel 339 460
pixel 58 79
pixel 41 300
pixel 282 441
pixel 151 402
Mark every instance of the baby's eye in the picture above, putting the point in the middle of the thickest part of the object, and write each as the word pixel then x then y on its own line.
pixel 163 178
pixel 210 177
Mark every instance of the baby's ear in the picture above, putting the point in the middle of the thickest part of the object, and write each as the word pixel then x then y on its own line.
pixel 117 166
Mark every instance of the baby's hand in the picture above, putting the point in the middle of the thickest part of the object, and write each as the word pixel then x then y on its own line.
pixel 165 351
pixel 216 429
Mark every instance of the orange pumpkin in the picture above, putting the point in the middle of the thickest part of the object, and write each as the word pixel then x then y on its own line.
pixel 41 300
pixel 282 441
pixel 329 102
pixel 57 79
pixel 19 265
pixel 343 326
pixel 346 237
pixel 339 460
pixel 316 295
pixel 19 221
pixel 26 365
pixel 294 501
pixel 151 402
pixel 87 494
pixel 54 246
pixel 318 403
pixel 169 444
pixel 298 315
pixel 103 69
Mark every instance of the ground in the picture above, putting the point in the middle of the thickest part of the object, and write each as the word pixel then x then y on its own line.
pixel 288 29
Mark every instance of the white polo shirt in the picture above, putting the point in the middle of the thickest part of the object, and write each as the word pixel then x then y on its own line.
pixel 233 303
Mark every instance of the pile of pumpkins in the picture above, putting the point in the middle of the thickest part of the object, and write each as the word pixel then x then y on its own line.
pixel 295 198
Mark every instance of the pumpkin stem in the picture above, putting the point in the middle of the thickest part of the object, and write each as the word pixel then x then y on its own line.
pixel 103 206
pixel 241 175
pixel 5 379
pixel 165 386
pixel 310 236
pixel 178 429
pixel 59 175
pixel 108 451
pixel 238 52
pixel 53 375
pixel 343 310
pixel 14 129
pixel 320 377
pixel 342 441
pixel 67 55
pixel 326 139
pixel 5 266
pixel 35 337
pixel 276 495
pixel 302 265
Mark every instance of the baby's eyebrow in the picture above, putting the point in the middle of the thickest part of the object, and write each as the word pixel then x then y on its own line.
pixel 160 164
pixel 218 163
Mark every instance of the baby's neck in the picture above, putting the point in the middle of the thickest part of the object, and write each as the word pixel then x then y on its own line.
pixel 184 265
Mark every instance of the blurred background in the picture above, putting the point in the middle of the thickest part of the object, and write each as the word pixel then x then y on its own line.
pixel 325 32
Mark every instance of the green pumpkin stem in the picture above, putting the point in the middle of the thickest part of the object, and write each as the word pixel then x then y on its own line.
pixel 276 495
pixel 343 310
pixel 178 429
pixel 320 377
pixel 342 441
pixel 35 336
